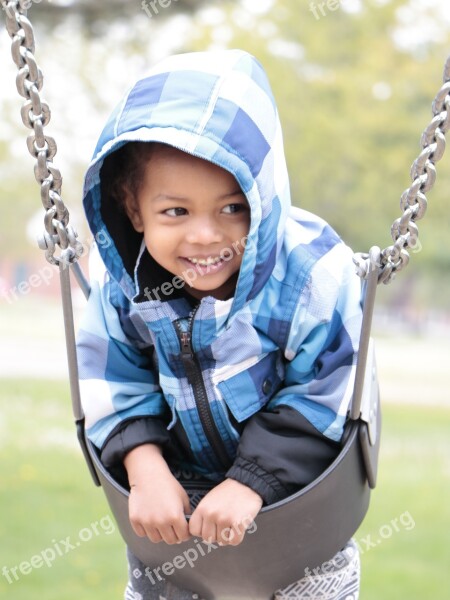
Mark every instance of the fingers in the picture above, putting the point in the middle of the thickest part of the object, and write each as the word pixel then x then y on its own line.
pixel 138 529
pixel 159 526
pixel 186 504
pixel 216 529
pixel 232 536
pixel 171 535
pixel 160 516
pixel 225 513
pixel 174 533
pixel 204 528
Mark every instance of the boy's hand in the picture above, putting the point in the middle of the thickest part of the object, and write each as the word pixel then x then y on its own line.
pixel 225 513
pixel 158 503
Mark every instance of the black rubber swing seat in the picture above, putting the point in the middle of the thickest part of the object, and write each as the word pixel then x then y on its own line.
pixel 289 539
pixel 296 536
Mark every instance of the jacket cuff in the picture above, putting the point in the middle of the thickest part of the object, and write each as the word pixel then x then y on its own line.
pixel 130 435
pixel 263 483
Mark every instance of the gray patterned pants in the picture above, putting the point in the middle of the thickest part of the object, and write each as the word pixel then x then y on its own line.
pixel 338 579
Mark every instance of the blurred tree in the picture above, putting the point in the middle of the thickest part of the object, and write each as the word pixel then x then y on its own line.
pixel 89 52
pixel 95 17
pixel 354 87
pixel 353 105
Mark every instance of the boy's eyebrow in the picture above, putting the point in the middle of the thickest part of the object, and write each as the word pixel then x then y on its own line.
pixel 162 197
pixel 238 192
pixel 171 197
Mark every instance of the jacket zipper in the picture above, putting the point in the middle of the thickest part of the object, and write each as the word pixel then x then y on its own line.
pixel 195 378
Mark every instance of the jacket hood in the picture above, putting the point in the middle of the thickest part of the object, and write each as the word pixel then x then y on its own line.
pixel 217 106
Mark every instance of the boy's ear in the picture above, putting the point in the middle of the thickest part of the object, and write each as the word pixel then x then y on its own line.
pixel 133 212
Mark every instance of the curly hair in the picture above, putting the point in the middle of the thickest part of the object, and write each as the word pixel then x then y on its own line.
pixel 122 172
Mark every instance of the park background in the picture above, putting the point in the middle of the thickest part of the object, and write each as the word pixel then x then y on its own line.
pixel 354 81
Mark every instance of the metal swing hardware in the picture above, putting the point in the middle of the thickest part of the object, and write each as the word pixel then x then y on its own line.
pixel 305 518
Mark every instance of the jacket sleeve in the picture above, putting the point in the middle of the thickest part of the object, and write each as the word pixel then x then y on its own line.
pixel 119 386
pixel 288 444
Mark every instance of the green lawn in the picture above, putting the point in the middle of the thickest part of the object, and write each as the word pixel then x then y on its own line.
pixel 47 495
pixel 49 507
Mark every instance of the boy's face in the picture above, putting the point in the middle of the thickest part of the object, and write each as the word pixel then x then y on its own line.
pixel 194 218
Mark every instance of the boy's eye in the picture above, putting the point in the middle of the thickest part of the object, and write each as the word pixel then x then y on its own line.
pixel 234 208
pixel 175 212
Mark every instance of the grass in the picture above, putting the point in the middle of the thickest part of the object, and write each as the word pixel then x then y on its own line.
pixel 409 515
pixel 46 496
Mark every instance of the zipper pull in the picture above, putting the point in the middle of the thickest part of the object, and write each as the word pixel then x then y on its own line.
pixel 185 340
pixel 187 356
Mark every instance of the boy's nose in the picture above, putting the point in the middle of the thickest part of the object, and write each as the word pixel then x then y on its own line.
pixel 204 232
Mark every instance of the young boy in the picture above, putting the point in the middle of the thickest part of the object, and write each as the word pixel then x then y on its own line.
pixel 222 327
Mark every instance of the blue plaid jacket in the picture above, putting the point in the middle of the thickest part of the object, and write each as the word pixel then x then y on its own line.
pixel 276 361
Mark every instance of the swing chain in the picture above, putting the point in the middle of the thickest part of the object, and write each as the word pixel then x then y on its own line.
pixel 413 202
pixel 35 115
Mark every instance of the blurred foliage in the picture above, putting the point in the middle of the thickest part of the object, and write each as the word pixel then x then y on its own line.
pixel 353 102
pixel 95 17
pixel 353 107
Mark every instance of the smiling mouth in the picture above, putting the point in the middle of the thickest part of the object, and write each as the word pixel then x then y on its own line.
pixel 205 262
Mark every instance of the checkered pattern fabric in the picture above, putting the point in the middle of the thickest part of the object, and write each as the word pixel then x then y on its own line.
pixel 289 334
pixel 336 579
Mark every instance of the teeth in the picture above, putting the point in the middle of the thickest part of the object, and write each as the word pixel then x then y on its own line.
pixel 205 262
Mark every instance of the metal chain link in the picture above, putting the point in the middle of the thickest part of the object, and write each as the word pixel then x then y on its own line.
pixel 413 202
pixel 35 115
